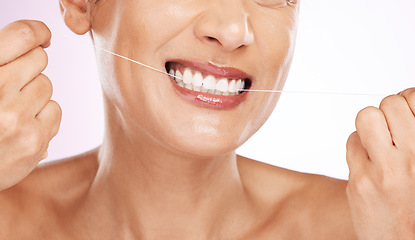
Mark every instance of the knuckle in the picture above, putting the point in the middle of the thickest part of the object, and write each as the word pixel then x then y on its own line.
pixel 353 138
pixel 409 91
pixel 45 85
pixel 44 28
pixel 24 31
pixel 391 102
pixel 41 56
pixel 34 142
pixel 30 30
pixel 360 185
pixel 9 123
pixel 58 116
pixel 409 95
pixel 368 115
pixel 57 107
pixel 351 145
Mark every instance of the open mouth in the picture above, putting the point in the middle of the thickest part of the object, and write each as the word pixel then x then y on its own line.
pixel 202 81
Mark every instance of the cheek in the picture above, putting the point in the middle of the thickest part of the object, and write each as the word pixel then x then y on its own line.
pixel 278 52
pixel 275 40
pixel 155 22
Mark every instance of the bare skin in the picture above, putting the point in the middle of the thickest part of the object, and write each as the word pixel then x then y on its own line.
pixel 59 201
pixel 381 156
pixel 137 186
pixel 167 168
pixel 29 119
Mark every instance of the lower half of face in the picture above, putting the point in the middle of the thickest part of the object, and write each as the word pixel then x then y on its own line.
pixel 213 51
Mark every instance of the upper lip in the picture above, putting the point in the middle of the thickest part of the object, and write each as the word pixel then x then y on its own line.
pixel 213 69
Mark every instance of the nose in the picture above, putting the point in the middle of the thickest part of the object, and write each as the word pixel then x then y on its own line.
pixel 225 24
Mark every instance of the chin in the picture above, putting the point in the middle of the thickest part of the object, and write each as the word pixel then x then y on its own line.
pixel 205 147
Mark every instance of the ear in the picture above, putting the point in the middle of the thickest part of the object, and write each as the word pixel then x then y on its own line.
pixel 77 15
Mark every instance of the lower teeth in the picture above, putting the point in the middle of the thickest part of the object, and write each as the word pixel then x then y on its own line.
pixel 204 90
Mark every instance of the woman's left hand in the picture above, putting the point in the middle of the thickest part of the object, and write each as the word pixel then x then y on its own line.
pixel 381 159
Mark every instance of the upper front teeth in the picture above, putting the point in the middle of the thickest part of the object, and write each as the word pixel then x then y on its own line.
pixel 196 81
pixel 187 76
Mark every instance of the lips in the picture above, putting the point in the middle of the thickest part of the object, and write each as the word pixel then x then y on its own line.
pixel 207 84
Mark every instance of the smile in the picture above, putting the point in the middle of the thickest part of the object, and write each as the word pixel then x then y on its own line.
pixel 213 83
pixel 208 84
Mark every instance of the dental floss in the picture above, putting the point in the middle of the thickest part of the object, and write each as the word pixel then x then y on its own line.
pixel 134 61
pixel 319 93
pixel 245 90
pixel 248 90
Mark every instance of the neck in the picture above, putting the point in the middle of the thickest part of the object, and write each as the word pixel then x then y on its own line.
pixel 154 187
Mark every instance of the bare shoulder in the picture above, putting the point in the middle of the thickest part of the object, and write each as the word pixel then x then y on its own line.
pixel 46 194
pixel 311 206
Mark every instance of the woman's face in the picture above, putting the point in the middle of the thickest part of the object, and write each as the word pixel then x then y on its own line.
pixel 217 45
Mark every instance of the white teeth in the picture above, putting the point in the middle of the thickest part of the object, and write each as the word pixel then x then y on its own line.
pixel 238 85
pixel 232 86
pixel 187 76
pixel 171 72
pixel 197 79
pixel 179 76
pixel 209 84
pixel 222 85
pixel 188 86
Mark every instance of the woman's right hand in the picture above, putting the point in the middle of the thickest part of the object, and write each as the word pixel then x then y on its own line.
pixel 28 118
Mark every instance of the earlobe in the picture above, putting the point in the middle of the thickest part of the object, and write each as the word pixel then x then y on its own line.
pixel 77 15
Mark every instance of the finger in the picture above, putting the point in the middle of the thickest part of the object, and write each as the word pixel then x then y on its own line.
pixel 24 69
pixel 400 119
pixel 373 132
pixel 356 155
pixel 44 156
pixel 409 95
pixel 37 94
pixel 50 118
pixel 20 37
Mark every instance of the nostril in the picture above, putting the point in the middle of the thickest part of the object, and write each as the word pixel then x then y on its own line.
pixel 213 39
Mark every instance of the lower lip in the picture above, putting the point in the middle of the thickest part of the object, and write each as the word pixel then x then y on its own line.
pixel 209 100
